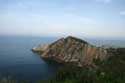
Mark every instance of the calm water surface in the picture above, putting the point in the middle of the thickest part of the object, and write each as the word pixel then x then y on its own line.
pixel 17 59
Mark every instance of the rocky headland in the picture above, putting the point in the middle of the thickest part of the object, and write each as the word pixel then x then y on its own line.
pixel 75 51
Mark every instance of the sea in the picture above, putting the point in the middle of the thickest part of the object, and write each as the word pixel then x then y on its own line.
pixel 17 61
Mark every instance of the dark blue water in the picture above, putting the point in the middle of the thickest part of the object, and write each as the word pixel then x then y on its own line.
pixel 17 59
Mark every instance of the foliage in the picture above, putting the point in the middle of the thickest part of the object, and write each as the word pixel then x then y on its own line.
pixel 110 71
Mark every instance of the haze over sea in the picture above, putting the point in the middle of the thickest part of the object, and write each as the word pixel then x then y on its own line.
pixel 99 22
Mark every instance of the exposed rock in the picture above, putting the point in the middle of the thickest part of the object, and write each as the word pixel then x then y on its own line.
pixel 72 50
pixel 40 49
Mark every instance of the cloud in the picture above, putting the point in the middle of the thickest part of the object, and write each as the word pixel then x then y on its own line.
pixel 104 1
pixel 122 13
pixel 38 18
pixel 63 25
pixel 66 24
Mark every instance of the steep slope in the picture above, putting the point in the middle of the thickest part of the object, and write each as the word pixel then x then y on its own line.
pixel 72 50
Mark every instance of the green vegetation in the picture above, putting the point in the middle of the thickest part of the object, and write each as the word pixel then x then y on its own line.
pixel 77 39
pixel 110 71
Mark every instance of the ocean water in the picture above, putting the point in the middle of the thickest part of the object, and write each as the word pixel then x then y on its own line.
pixel 107 42
pixel 17 59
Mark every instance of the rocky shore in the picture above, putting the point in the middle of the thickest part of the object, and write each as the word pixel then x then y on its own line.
pixel 75 51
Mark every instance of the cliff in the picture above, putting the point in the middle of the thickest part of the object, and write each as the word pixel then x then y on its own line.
pixel 72 50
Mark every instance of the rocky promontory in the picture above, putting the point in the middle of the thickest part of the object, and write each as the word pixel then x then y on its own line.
pixel 73 50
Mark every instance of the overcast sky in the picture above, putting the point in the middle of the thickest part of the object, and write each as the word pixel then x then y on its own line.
pixel 90 18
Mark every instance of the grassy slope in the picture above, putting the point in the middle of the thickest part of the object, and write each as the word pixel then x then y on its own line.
pixel 110 71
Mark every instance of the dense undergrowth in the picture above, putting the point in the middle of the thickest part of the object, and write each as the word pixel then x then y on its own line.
pixel 109 71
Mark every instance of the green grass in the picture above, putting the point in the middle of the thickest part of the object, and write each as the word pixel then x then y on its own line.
pixel 110 71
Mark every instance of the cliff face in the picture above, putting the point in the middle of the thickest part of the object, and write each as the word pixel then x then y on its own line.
pixel 72 50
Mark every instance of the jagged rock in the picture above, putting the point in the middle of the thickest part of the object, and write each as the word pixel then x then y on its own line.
pixel 40 49
pixel 72 50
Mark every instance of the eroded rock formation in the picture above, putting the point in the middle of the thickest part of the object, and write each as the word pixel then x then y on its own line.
pixel 72 50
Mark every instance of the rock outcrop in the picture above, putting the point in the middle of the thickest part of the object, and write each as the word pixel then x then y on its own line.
pixel 72 50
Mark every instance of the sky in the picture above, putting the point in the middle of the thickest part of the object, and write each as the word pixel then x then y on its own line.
pixel 89 18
